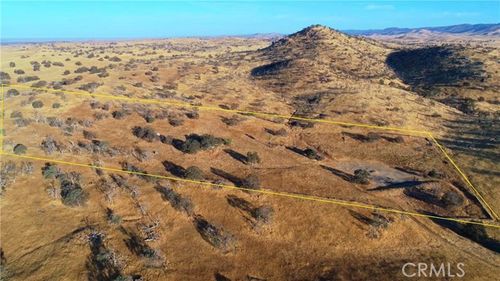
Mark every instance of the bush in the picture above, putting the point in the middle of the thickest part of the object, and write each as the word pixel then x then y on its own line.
pixel 16 114
pixel 452 199
pixel 72 193
pixel 39 84
pixel 252 158
pixel 175 121
pixel 49 145
pixel 81 69
pixel 281 132
pixel 12 64
pixel 145 133
pixel 193 115
pixel 252 182
pixel 66 72
pixel 56 105
pixel 12 93
pixel 195 142
pixel 213 234
pixel 25 79
pixel 19 71
pixel 89 135
pixel 118 114
pixel 4 77
pixel 361 176
pixel 90 87
pixel 176 200
pixel 194 173
pixel 232 121
pixel 50 171
pixel 20 149
pixel 311 154
pixel 37 104
pixel 468 106
pixel 263 214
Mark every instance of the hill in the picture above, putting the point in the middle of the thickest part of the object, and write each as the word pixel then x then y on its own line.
pixel 460 29
pixel 316 56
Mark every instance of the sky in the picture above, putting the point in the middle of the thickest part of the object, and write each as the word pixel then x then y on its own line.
pixel 159 19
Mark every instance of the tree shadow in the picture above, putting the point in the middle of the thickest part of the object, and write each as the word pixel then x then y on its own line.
pixel 343 175
pixel 236 155
pixel 174 169
pixel 99 266
pixel 235 180
pixel 474 232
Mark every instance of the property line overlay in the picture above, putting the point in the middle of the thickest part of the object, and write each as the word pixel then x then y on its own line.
pixel 411 132
pixel 261 191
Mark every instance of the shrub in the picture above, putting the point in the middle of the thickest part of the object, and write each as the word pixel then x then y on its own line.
pixel 12 64
pixel 89 135
pixel 281 132
pixel 12 93
pixel 175 121
pixel 16 114
pixel 19 71
pixel 251 181
pixel 50 171
pixel 90 87
pixel 20 149
pixel 213 234
pixel 176 200
pixel 49 145
pixel 193 115
pixel 72 193
pixel 232 121
pixel 263 214
pixel 361 176
pixel 66 72
pixel 452 199
pixel 194 173
pixel 252 158
pixel 37 104
pixel 311 154
pixel 56 105
pixel 39 84
pixel 118 114
pixel 25 79
pixel 4 77
pixel 81 69
pixel 468 106
pixel 195 142
pixel 145 133
pixel 112 217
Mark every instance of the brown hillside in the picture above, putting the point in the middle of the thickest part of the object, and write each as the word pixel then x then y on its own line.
pixel 316 57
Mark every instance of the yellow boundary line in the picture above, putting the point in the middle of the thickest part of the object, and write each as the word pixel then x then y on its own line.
pixel 261 191
pixel 461 173
pixel 213 108
pixel 272 115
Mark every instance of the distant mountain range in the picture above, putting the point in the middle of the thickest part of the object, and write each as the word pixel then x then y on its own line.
pixel 465 29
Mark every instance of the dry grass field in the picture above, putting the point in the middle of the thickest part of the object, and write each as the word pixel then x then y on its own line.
pixel 67 222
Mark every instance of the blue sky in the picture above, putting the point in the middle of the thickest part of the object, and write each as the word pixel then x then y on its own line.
pixel 140 19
